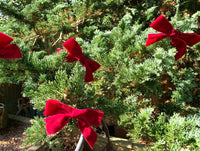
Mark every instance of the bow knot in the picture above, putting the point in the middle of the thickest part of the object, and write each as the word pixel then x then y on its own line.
pixel 75 54
pixel 76 113
pixel 82 59
pixel 178 39
pixel 60 114
pixel 175 34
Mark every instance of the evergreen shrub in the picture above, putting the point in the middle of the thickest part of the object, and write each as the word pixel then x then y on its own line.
pixel 140 88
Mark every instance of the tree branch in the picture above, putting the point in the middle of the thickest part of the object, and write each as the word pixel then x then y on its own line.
pixel 11 11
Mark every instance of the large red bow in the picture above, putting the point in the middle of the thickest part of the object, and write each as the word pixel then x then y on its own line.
pixel 7 50
pixel 60 114
pixel 178 39
pixel 75 54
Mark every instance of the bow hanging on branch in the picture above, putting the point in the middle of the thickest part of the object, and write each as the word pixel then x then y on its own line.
pixel 60 114
pixel 75 54
pixel 7 50
pixel 178 39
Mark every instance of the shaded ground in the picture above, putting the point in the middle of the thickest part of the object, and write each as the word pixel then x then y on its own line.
pixel 11 137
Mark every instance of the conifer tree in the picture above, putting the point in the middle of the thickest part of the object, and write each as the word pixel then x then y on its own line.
pixel 142 88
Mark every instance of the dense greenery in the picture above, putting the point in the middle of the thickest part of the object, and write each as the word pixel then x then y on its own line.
pixel 142 88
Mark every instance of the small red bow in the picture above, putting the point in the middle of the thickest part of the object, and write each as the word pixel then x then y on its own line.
pixel 60 114
pixel 8 51
pixel 178 39
pixel 75 54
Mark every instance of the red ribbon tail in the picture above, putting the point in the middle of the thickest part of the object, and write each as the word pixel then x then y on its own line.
pixel 10 52
pixel 179 54
pixel 180 46
pixel 88 133
pixel 91 66
pixel 152 38
pixel 88 74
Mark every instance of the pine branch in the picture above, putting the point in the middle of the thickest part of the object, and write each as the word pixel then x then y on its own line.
pixel 9 10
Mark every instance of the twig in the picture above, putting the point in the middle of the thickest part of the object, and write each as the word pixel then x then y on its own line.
pixel 31 37
pixel 60 38
pixel 34 41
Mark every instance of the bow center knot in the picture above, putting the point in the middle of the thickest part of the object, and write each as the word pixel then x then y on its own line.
pixel 75 113
pixel 82 59
pixel 175 34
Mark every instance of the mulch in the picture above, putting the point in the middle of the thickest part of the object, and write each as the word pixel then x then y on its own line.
pixel 11 137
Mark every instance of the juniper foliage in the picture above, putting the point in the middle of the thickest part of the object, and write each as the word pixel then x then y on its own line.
pixel 142 88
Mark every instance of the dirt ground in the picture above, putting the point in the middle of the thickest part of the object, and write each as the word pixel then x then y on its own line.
pixel 11 137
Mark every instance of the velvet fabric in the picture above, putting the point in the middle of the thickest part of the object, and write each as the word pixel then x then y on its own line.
pixel 75 54
pixel 7 50
pixel 60 114
pixel 178 39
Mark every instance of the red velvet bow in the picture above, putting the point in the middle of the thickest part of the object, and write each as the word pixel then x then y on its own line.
pixel 8 51
pixel 178 39
pixel 60 114
pixel 75 54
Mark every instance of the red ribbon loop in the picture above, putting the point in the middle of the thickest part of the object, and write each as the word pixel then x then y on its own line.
pixel 60 114
pixel 7 50
pixel 178 39
pixel 75 54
